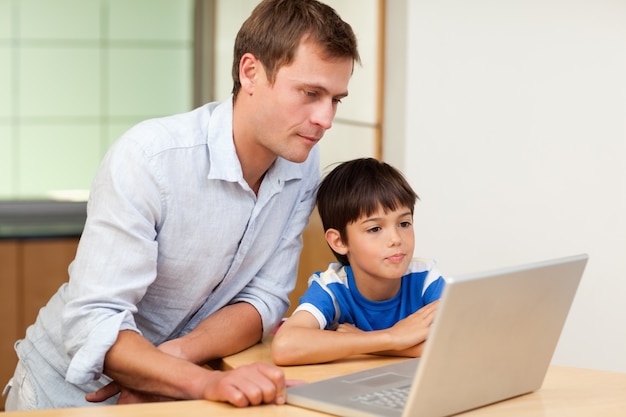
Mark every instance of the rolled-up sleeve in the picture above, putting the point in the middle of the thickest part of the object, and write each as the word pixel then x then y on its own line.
pixel 115 262
pixel 87 363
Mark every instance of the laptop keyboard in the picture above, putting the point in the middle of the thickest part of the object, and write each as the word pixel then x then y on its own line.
pixel 390 398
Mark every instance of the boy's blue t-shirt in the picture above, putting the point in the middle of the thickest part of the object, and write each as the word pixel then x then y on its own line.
pixel 333 298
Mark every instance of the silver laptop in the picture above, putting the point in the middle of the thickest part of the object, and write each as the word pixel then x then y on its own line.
pixel 493 338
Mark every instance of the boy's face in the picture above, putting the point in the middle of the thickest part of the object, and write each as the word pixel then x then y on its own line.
pixel 380 247
pixel 292 114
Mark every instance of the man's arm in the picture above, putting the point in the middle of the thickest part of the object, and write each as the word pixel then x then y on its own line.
pixel 292 346
pixel 229 330
pixel 138 366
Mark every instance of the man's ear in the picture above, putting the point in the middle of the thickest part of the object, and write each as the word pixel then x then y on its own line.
pixel 249 67
pixel 333 237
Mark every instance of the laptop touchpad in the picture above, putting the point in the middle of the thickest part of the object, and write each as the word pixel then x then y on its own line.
pixel 380 380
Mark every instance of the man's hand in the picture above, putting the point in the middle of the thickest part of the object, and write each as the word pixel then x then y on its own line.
pixel 173 370
pixel 126 396
pixel 103 393
pixel 254 384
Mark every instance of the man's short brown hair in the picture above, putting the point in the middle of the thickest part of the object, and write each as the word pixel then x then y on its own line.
pixel 275 28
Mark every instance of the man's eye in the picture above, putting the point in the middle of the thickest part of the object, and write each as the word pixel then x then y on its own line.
pixel 336 100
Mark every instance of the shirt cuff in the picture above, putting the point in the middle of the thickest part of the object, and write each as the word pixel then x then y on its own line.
pixel 88 362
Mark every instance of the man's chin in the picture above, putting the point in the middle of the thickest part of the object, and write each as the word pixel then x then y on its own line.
pixel 297 157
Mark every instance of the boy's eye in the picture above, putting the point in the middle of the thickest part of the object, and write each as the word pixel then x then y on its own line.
pixel 373 229
pixel 405 224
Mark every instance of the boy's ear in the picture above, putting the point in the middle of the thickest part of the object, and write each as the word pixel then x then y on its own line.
pixel 333 237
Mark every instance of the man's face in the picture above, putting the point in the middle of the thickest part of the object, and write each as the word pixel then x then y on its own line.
pixel 294 112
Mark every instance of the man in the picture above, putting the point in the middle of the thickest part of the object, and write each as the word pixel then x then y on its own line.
pixel 192 238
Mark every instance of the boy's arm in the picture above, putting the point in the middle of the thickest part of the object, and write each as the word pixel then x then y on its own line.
pixel 411 352
pixel 300 341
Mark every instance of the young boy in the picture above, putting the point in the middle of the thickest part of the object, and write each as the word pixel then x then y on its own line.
pixel 378 299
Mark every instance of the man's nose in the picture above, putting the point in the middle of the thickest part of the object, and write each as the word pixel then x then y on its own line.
pixel 324 114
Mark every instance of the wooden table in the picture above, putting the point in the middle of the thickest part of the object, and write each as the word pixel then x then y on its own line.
pixel 566 392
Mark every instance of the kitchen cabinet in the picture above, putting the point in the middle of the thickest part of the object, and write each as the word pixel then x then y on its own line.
pixel 31 270
pixel 8 311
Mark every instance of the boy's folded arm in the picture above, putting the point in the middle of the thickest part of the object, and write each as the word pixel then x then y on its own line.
pixel 300 341
pixel 289 345
pixel 412 352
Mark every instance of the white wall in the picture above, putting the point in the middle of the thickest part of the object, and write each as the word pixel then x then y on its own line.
pixel 513 126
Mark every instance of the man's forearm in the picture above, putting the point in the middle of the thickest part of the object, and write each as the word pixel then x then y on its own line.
pixel 140 369
pixel 130 361
pixel 227 331
pixel 133 362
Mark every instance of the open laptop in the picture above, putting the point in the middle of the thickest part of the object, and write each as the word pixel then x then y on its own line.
pixel 493 338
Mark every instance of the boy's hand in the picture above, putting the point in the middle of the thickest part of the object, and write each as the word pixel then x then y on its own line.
pixel 409 333
pixel 414 329
pixel 348 328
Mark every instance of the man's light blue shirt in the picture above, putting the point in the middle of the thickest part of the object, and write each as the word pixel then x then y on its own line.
pixel 174 233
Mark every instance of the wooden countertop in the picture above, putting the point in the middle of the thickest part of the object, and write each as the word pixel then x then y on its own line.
pixel 566 392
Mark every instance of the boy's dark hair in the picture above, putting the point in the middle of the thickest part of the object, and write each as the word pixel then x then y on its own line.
pixel 358 188
pixel 273 32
